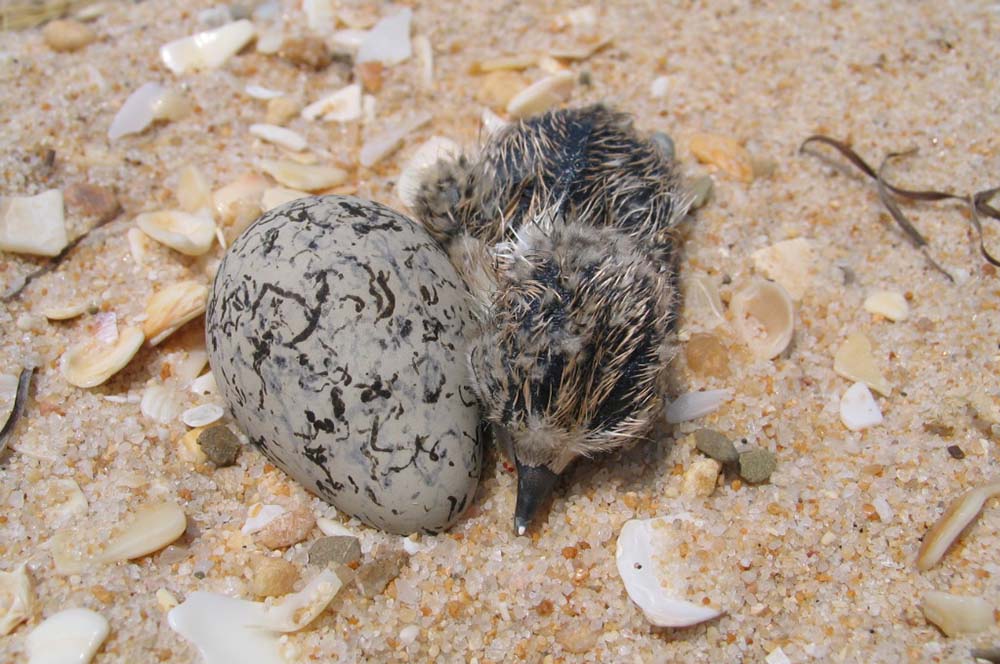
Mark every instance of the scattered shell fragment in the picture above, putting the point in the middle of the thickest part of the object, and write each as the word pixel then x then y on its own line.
pixel 260 92
pixel 703 300
pixel 193 190
pixel 701 190
pixel 33 224
pixel 286 138
pixel 90 200
pixel 777 656
pixel 150 102
pixel 389 41
pixel 151 528
pixel 220 445
pixel 429 153
pixel 498 87
pixel 320 16
pixel 202 415
pixel 72 635
pixel 90 363
pixel 66 498
pixel 172 307
pixel 854 361
pixel 238 203
pixel 764 317
pixel 791 263
pixel 858 408
pixel 347 42
pixel 542 95
pixel 17 598
pixel 888 304
pixel 343 105
pixel 138 245
pixel 281 110
pixel 956 518
pixel 160 403
pixel 207 50
pixel 331 527
pixel 955 614
pixel 692 405
pixel 517 62
pixel 287 529
pixel 757 465
pixel 659 88
pixel 204 384
pixel 166 599
pixel 189 449
pixel 425 56
pixel 724 153
pixel 638 542
pixel 382 145
pixel 272 576
pixel 275 196
pixel 304 176
pixel 409 634
pixel 700 477
pixel 190 234
pixel 66 312
pixel 65 35
pixel 259 515
pixel 13 391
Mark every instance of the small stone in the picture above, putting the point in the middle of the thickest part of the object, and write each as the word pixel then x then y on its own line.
pixel 91 200
pixel 858 408
pixel 370 75
pixel 288 529
pixel 939 428
pixel 282 109
pixel 337 549
pixel 715 445
pixel 272 576
pixel 220 445
pixel 756 465
pixel 65 35
pixel 701 190
pixel 376 575
pixel 306 52
pixel 956 452
pixel 666 145
pixel 706 356
pixel 700 477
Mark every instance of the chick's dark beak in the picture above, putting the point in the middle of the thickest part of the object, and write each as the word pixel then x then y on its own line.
pixel 534 486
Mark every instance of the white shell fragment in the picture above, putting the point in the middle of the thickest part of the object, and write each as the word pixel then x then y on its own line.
pixel 343 105
pixel 282 136
pixel 319 15
pixel 955 519
pixel 854 361
pixel 429 153
pixel 275 196
pixel 137 112
pixel 190 234
pixel 259 515
pixel 194 193
pixel 858 409
pixel 92 362
pixel 389 41
pixel 66 312
pixel 33 224
pixel 236 199
pixel 542 95
pixel 66 498
pixel 150 529
pixel 205 384
pixel 16 598
pixel 306 177
pixel 704 303
pixel 638 570
pixel 172 307
pixel 260 92
pixel 692 405
pixel 888 304
pixel 73 635
pixel 160 403
pixel 425 56
pixel 659 88
pixel 202 415
pixel 764 317
pixel 956 614
pixel 227 629
pixel 331 527
pixel 207 50
pixel 381 146
pixel 791 263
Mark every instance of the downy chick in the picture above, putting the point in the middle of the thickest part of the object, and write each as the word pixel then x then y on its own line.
pixel 563 230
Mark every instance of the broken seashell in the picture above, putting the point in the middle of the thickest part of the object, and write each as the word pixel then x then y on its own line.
pixel 638 570
pixel 347 42
pixel 190 450
pixel 190 234
pixel 204 385
pixel 764 317
pixel 330 527
pixel 193 191
pixel 956 518
pixel 107 327
pixel 888 304
pixel 72 635
pixel 67 499
pixel 138 245
pixel 389 41
pixel 151 528
pixel 259 515
pixel 955 614
pixel 858 409
pixel 580 51
pixel 160 403
pixel 303 176
pixel 692 405
pixel 208 49
pixel 723 152
pixel 518 62
pixel 659 88
pixel 542 95
pixel 276 196
pixel 425 56
pixel 286 138
pixel 91 362
pixel 344 105
pixel 702 298
pixel 381 146
pixel 33 224
pixel 239 201
pixel 854 361
pixel 269 41
pixel 16 598
pixel 260 92
pixel 791 263
pixel 172 307
pixel 66 312
pixel 190 365
pixel 171 105
pixel 429 153
pixel 319 15
pixel 165 599
pixel 202 415
pixel 149 103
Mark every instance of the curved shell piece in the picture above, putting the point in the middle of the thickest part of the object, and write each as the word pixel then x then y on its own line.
pixel 764 317
pixel 955 519
pixel 73 635
pixel 90 363
pixel 190 234
pixel 172 307
pixel 16 599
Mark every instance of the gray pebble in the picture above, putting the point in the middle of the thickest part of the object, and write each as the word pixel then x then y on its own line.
pixel 756 465
pixel 376 575
pixel 713 444
pixel 338 549
pixel 701 189
pixel 666 145
pixel 220 445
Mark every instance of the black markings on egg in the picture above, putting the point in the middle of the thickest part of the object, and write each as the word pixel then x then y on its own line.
pixel 336 332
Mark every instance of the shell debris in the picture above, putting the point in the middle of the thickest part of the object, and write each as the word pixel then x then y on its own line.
pixel 260 92
pixel 382 145
pixel 160 403
pixel 208 49
pixel 389 41
pixel 305 177
pixel 281 136
pixel 149 103
pixel 190 234
pixel 888 304
pixel 66 312
pixel 854 361
pixel 724 153
pixel 858 408
pixel 791 263
pixel 72 635
pixel 542 95
pixel 957 614
pixel 92 362
pixel 259 516
pixel 17 599
pixel 194 193
pixel 238 203
pixel 764 316
pixel 946 530
pixel 33 224
pixel 692 405
pixel 172 307
pixel 202 415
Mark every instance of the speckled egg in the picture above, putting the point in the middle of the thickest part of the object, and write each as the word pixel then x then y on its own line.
pixel 336 332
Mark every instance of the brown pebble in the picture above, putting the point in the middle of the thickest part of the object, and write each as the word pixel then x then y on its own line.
pixel 220 445
pixel 272 576
pixel 288 529
pixel 370 75
pixel 338 549
pixel 939 429
pixel 282 109
pixel 956 452
pixel 715 445
pixel 306 52
pixel 706 356
pixel 376 575
pixel 91 200
pixel 65 35
pixel 756 465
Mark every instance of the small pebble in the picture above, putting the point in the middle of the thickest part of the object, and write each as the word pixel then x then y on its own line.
pixel 858 408
pixel 756 465
pixel 306 52
pixel 91 200
pixel 700 477
pixel 701 190
pixel 288 529
pixel 338 549
pixel 577 638
pixel 956 452
pixel 220 445
pixel 666 145
pixel 376 575
pixel 65 35
pixel 715 445
pixel 272 576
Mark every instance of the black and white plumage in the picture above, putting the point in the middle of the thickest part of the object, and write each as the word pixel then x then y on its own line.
pixel 563 228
